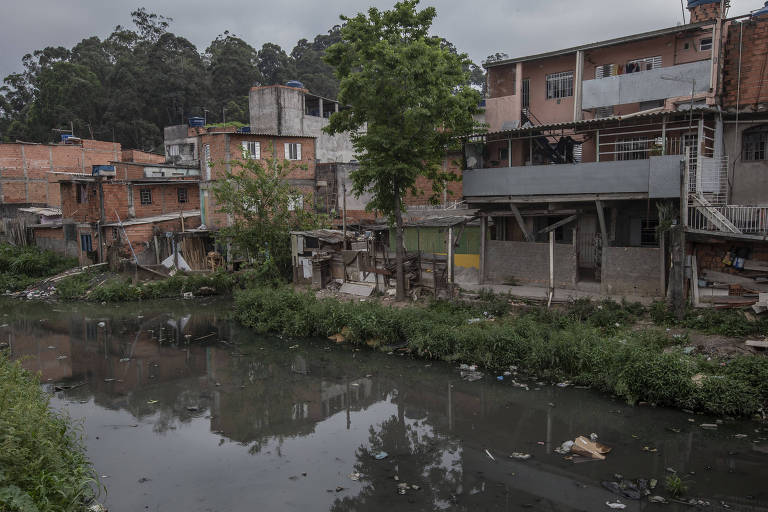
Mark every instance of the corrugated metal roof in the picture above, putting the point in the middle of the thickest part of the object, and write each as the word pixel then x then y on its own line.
pixel 591 122
pixel 156 218
pixel 331 236
pixel 45 211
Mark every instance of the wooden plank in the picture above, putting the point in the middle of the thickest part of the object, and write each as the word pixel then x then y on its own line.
pixel 557 224
pixel 757 343
pixel 722 277
pixel 601 218
pixel 756 265
pixel 521 223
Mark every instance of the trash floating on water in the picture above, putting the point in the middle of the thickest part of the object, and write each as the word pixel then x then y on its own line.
pixel 152 402
pixel 584 447
pixel 489 455
pixel 520 456
pixel 354 476
pixel 615 505
pixel 380 455
pixel 656 499
pixel 632 489
pixel 709 426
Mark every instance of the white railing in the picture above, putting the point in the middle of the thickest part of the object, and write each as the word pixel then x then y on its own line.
pixel 451 205
pixel 748 219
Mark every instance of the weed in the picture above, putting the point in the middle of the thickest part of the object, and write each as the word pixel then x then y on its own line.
pixel 20 267
pixel 675 485
pixel 43 466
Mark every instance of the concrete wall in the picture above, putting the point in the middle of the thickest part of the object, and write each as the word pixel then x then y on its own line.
pixel 279 110
pixel 528 263
pixel 647 85
pixel 659 176
pixel 748 179
pixel 631 271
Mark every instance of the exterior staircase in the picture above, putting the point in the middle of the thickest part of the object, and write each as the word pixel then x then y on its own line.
pixel 712 214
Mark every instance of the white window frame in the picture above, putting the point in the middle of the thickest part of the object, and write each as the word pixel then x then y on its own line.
pixel 645 64
pixel 293 151
pixel 704 47
pixel 559 85
pixel 296 203
pixel 251 149
pixel 600 71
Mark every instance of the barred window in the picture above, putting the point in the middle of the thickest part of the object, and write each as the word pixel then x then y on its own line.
pixel 146 195
pixel 605 70
pixel 252 149
pixel 560 85
pixel 633 148
pixel 755 143
pixel 181 194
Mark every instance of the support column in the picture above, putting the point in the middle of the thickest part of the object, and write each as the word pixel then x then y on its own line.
pixel 551 293
pixel 483 247
pixel 577 86
pixel 450 255
pixel 597 145
pixel 601 218
pixel 521 223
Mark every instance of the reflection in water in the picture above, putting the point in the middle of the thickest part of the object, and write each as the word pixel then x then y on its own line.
pixel 186 411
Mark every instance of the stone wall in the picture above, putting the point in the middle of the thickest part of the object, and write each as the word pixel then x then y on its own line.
pixel 528 263
pixel 631 271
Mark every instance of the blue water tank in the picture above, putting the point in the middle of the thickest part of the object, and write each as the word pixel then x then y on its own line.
pixel 761 12
pixel 196 121
pixel 294 83
pixel 694 3
pixel 244 129
pixel 65 136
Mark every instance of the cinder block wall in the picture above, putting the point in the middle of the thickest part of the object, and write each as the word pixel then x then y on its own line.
pixel 528 263
pixel 631 271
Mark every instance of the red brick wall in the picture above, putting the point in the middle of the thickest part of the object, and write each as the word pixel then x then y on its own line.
pixel 710 256
pixel 85 211
pixel 705 12
pixel 134 155
pixel 754 55
pixel 452 163
pixel 24 168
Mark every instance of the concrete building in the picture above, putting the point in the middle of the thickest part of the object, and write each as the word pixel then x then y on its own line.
pixel 601 143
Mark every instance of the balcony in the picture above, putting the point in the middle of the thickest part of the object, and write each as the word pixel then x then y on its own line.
pixel 647 85
pixel 654 177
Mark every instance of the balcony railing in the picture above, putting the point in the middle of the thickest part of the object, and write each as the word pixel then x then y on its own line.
pixel 747 219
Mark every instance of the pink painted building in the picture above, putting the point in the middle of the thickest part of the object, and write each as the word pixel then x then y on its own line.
pixel 603 142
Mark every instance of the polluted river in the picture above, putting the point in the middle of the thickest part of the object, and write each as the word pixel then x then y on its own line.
pixel 184 410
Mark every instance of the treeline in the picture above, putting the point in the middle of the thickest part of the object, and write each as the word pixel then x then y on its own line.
pixel 130 85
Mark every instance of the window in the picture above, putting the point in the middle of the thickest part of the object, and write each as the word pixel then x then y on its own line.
pixel 181 194
pixel 251 149
pixel 115 233
pixel 81 193
pixel 86 243
pixel 296 203
pixel 755 143
pixel 605 70
pixel 705 44
pixel 146 195
pixel 648 105
pixel 633 148
pixel 646 64
pixel 560 85
pixel 292 151
pixel 526 100
pixel 173 150
pixel 503 155
pixel 648 232
pixel 603 112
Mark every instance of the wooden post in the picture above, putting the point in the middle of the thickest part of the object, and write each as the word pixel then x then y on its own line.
pixel 521 223
pixel 157 250
pixel 483 248
pixel 450 255
pixel 551 267
pixel 601 218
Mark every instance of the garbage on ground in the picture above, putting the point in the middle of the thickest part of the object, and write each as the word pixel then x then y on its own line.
pixel 615 505
pixel 564 384
pixel 354 476
pixel 380 455
pixel 583 447
pixel 632 489
pixel 520 456
pixel 656 499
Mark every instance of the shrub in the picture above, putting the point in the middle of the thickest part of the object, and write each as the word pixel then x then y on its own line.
pixel 43 466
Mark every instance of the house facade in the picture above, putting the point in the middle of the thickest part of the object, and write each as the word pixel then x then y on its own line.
pixel 606 144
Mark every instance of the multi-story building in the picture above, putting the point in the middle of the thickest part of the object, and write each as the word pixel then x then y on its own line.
pixel 603 143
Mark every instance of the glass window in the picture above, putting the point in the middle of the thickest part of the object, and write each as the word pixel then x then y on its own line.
pixel 705 44
pixel 86 243
pixel 754 142
pixel 645 64
pixel 560 85
pixel 146 195
pixel 181 194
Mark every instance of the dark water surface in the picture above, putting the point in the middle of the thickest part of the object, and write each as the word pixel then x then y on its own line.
pixel 185 411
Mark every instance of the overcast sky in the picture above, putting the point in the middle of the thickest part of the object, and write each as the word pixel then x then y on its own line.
pixel 480 27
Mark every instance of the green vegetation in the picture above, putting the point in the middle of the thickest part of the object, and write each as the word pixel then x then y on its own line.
pixel 409 99
pixel 265 208
pixel 675 485
pixel 43 466
pixel 121 290
pixel 22 266
pixel 726 322
pixel 587 343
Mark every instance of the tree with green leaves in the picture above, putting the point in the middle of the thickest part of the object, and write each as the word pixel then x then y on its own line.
pixel 264 209
pixel 409 102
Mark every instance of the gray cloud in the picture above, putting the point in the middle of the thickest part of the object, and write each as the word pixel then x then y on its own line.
pixel 481 28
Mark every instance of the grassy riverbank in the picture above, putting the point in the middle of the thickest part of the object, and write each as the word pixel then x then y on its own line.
pixel 23 266
pixel 587 343
pixel 43 466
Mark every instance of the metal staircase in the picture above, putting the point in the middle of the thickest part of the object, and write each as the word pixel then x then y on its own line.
pixel 712 214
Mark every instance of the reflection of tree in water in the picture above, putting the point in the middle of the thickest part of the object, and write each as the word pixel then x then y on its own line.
pixel 416 455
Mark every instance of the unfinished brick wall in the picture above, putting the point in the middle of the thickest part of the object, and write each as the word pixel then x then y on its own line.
pixel 709 256
pixel 25 168
pixel 705 12
pixel 134 155
pixel 752 89
pixel 452 163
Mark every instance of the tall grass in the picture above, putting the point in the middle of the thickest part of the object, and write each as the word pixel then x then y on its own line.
pixel 587 343
pixel 43 466
pixel 22 266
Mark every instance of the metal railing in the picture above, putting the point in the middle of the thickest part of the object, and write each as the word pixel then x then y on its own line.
pixel 748 219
